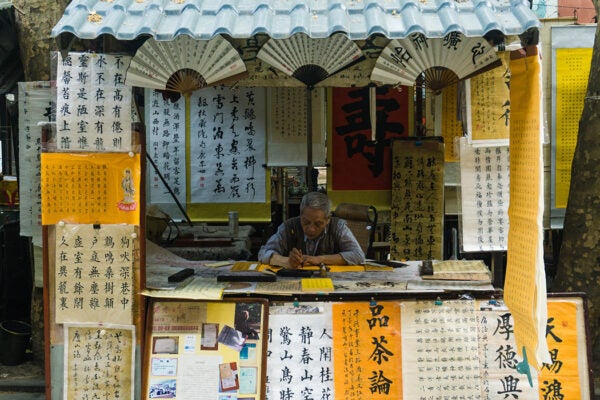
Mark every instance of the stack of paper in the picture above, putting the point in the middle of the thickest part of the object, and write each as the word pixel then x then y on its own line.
pixel 460 270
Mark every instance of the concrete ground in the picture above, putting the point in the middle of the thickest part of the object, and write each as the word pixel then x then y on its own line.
pixel 22 382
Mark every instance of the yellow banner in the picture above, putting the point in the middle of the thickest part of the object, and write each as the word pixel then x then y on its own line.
pixel 562 376
pixel 522 288
pixel 92 188
pixel 572 72
pixel 367 351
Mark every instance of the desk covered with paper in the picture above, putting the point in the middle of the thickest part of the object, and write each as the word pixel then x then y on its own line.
pixel 371 278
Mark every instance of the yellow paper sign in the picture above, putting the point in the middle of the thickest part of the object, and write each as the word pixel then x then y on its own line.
pixel 90 188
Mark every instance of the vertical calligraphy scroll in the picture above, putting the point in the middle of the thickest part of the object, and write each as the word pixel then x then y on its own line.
pixel 288 130
pixel 227 145
pixel 485 182
pixel 90 188
pixel 488 97
pixel 417 211
pixel 99 362
pixel 525 286
pixel 360 162
pixel 36 104
pixel 165 143
pixel 452 126
pixel 300 352
pixel 367 356
pixel 93 110
pixel 94 276
pixel 440 350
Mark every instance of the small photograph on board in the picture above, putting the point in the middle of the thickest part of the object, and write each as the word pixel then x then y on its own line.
pixel 248 380
pixel 247 319
pixel 228 377
pixel 163 389
pixel 210 334
pixel 165 345
pixel 248 352
pixel 232 338
pixel 162 366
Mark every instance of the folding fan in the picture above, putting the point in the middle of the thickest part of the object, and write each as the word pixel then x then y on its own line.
pixel 184 64
pixel 442 61
pixel 310 60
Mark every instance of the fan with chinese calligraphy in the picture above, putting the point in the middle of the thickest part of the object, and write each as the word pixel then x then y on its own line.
pixel 310 60
pixel 184 64
pixel 439 62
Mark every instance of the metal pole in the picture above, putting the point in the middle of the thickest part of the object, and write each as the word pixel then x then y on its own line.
pixel 309 139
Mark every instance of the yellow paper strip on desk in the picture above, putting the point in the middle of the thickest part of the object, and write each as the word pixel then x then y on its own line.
pixel 317 285
pixel 336 268
pixel 246 266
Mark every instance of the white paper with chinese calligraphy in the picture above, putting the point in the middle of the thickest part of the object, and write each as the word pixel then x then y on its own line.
pixel 36 104
pixel 288 130
pixel 94 276
pixel 99 362
pixel 299 356
pixel 440 350
pixel 485 182
pixel 499 357
pixel 165 139
pixel 93 110
pixel 227 138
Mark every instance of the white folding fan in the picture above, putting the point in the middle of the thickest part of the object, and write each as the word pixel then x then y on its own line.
pixel 442 61
pixel 310 60
pixel 184 64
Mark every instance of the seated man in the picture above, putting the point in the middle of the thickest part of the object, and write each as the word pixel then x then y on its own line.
pixel 313 238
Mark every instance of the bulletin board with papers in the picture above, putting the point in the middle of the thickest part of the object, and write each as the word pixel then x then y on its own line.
pixel 202 350
pixel 353 350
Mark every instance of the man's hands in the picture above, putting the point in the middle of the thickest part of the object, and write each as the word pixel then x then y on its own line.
pixel 297 260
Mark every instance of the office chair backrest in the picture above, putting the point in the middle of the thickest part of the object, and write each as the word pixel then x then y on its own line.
pixel 362 221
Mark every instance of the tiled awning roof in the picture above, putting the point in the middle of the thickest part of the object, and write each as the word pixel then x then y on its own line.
pixel 359 19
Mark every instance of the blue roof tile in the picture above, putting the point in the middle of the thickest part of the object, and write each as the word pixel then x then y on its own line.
pixel 359 19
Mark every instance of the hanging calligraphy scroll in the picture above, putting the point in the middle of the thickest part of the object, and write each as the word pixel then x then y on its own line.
pixel 287 130
pixel 90 188
pixel 93 110
pixel 36 104
pixel 525 285
pixel 571 61
pixel 165 144
pixel 206 350
pixel 452 127
pixel 417 211
pixel 358 161
pixel 488 103
pixel 94 274
pixel 99 362
pixel 227 145
pixel 485 183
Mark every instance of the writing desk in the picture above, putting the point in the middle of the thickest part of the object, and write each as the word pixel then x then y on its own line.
pixel 404 281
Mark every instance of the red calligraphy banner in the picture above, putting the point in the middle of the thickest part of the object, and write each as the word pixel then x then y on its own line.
pixel 360 161
pixel 367 351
